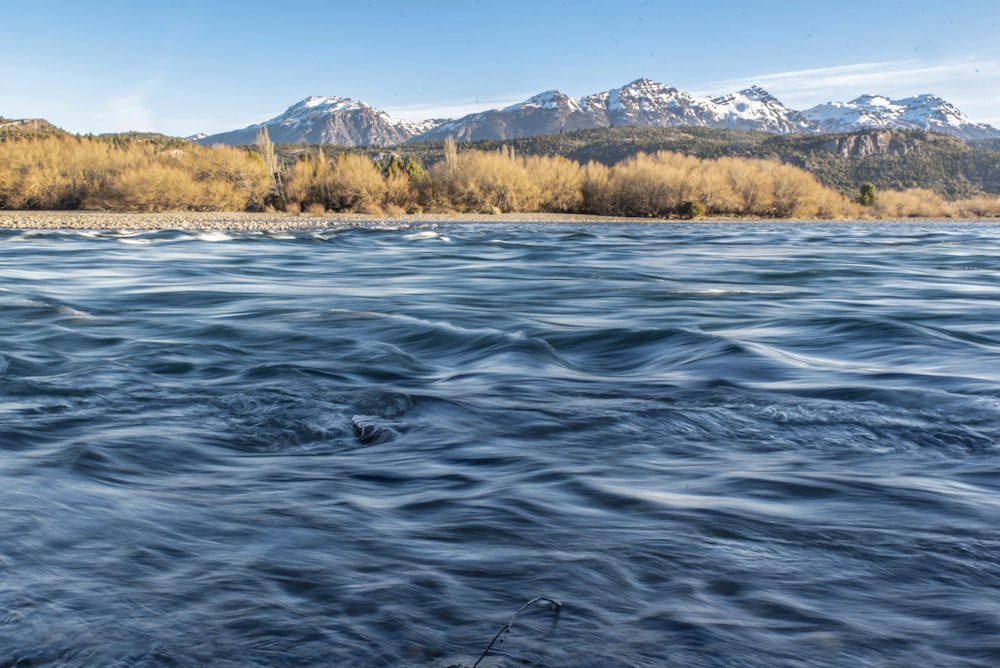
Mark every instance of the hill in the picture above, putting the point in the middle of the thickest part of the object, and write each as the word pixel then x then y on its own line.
pixel 891 159
pixel 27 127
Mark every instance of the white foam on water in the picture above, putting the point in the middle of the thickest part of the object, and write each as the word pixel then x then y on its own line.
pixel 213 236
pixel 427 234
pixel 76 313
pixel 30 302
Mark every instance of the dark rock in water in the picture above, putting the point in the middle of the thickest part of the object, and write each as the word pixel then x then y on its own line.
pixel 368 430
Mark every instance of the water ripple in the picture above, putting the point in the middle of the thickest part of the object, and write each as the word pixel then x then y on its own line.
pixel 713 444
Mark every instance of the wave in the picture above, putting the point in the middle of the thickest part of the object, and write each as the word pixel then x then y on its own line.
pixel 361 445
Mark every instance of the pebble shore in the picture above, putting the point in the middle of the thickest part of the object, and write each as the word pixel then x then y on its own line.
pixel 227 221
pixel 222 221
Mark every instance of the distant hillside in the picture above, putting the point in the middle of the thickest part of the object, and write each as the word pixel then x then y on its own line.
pixel 987 144
pixel 891 159
pixel 27 127
pixel 153 139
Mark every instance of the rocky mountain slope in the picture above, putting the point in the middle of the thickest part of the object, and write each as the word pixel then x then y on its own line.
pixel 642 103
pixel 27 127
pixel 327 120
pixel 923 112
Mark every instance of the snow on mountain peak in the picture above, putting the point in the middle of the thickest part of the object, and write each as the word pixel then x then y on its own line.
pixel 643 102
pixel 550 99
pixel 329 120
pixel 316 105
pixel 758 93
pixel 922 112
pixel 755 109
pixel 647 86
pixel 872 101
pixel 316 101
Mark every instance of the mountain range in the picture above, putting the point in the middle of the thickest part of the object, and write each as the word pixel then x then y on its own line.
pixel 645 103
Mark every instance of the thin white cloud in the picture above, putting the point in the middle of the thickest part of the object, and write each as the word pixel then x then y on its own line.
pixel 870 77
pixel 454 109
pixel 127 112
pixel 969 83
pixel 122 114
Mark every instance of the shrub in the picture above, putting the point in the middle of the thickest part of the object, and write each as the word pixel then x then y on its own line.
pixel 750 186
pixel 559 182
pixel 866 196
pixel 692 209
pixel 913 203
pixel 356 184
pixel 150 173
pixel 480 181
pixel 981 207
pixel 307 182
pixel 64 172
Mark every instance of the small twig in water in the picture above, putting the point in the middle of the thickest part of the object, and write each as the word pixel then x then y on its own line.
pixel 508 625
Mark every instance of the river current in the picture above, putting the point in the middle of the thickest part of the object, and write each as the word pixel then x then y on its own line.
pixel 702 444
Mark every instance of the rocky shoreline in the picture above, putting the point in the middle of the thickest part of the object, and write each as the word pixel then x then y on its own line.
pixel 228 221
pixel 240 221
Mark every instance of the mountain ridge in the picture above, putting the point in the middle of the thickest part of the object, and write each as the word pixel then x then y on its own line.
pixel 326 120
pixel 641 103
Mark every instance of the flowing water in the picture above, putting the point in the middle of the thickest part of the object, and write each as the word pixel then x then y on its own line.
pixel 711 444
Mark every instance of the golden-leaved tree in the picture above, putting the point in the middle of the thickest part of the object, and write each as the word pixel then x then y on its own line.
pixel 83 172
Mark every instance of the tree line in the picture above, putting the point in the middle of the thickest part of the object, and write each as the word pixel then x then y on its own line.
pixel 128 174
pixel 901 159
pixel 138 173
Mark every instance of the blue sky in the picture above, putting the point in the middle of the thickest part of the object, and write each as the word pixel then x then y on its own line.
pixel 183 66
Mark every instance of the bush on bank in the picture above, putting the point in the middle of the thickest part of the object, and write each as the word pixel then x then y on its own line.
pixel 59 172
pixel 87 173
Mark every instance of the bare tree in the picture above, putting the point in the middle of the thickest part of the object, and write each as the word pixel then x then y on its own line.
pixel 266 149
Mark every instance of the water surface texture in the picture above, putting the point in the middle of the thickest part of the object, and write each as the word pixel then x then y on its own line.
pixel 712 444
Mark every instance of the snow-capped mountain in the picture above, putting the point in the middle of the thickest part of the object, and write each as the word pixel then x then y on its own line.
pixel 347 122
pixel 923 112
pixel 328 120
pixel 755 109
pixel 648 103
pixel 640 103
pixel 546 113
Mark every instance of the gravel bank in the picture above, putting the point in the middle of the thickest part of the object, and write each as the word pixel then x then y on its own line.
pixel 87 220
pixel 232 221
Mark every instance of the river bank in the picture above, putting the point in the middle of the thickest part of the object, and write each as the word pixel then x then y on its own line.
pixel 193 220
pixel 221 221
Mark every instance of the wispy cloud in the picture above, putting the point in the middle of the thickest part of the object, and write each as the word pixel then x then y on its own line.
pixel 129 111
pixel 910 75
pixel 453 109
pixel 973 84
pixel 122 114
